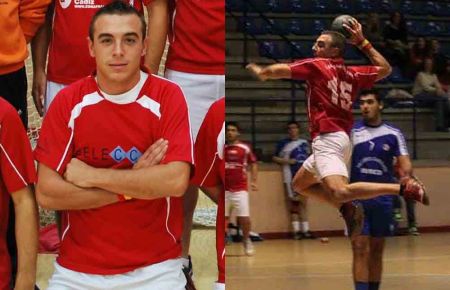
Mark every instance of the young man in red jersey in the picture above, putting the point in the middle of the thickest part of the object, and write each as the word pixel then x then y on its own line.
pixel 17 175
pixel 210 174
pixel 238 157
pixel 120 223
pixel 331 88
pixel 64 36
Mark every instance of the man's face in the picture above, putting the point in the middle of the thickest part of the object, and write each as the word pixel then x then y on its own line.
pixel 322 47
pixel 370 107
pixel 117 46
pixel 293 131
pixel 232 133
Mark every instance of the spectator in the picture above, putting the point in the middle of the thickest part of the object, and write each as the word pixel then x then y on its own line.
pixel 428 91
pixel 417 54
pixel 373 28
pixel 434 52
pixel 290 153
pixel 395 37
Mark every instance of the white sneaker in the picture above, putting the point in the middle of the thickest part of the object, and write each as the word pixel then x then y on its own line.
pixel 248 248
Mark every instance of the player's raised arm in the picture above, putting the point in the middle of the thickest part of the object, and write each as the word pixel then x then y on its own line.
pixel 274 71
pixel 357 38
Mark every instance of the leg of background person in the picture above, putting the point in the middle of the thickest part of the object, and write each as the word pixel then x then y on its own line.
pixel 293 210
pixel 303 213
pixel 376 262
pixel 189 202
pixel 411 214
pixel 361 250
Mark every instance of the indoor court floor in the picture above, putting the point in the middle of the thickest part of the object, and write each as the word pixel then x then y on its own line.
pixel 410 263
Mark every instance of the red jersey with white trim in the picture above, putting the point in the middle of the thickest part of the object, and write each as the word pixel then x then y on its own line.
pixel 197 37
pixel 237 157
pixel 68 56
pixel 210 169
pixel 331 89
pixel 17 171
pixel 81 123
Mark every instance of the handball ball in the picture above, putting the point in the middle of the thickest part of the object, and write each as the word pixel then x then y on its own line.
pixel 337 23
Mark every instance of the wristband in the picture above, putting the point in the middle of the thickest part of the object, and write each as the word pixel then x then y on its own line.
pixel 365 45
pixel 123 197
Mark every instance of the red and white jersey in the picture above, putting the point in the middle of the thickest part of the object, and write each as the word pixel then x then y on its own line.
pixel 210 169
pixel 83 124
pixel 16 172
pixel 331 89
pixel 237 157
pixel 197 37
pixel 68 56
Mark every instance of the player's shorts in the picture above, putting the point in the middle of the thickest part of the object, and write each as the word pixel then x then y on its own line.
pixel 378 221
pixel 167 275
pixel 331 155
pixel 237 202
pixel 52 90
pixel 200 91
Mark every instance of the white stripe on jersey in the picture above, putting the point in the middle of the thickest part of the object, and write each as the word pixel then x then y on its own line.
pixel 209 170
pixel 90 99
pixel 167 219
pixel 150 104
pixel 65 152
pixel 221 142
pixel 12 164
pixel 68 226
pixel 365 134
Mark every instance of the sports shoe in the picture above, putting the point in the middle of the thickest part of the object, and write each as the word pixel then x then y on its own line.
pixel 412 188
pixel 248 248
pixel 353 215
pixel 308 235
pixel 297 236
pixel 398 215
pixel 413 231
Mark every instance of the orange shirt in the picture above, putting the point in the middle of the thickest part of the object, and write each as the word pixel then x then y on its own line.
pixel 20 19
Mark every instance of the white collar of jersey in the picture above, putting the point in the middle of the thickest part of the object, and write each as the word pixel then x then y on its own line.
pixel 131 95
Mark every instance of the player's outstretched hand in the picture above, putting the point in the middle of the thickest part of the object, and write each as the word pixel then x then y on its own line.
pixel 355 30
pixel 77 172
pixel 153 155
pixel 256 71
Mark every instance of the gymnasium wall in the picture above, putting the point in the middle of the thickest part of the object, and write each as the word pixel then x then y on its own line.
pixel 269 214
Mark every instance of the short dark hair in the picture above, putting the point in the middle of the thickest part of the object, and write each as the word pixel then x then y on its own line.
pixel 337 40
pixel 234 124
pixel 117 7
pixel 293 123
pixel 374 92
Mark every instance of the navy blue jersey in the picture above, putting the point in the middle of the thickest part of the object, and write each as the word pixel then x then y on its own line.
pixel 292 149
pixel 374 149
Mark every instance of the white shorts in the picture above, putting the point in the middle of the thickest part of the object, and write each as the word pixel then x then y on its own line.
pixel 237 202
pixel 219 286
pixel 167 275
pixel 52 90
pixel 200 91
pixel 331 155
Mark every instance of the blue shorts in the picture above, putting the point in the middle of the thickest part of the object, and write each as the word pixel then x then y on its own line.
pixel 378 221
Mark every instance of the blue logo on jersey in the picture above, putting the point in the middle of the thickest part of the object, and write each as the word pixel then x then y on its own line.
pixel 118 154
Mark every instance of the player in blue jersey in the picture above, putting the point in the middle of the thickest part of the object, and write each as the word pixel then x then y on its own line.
pixel 290 153
pixel 375 146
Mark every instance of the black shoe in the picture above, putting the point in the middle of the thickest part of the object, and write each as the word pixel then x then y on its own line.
pixel 297 236
pixel 353 215
pixel 308 235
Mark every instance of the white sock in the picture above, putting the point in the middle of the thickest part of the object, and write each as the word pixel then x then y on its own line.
pixel 305 227
pixel 296 226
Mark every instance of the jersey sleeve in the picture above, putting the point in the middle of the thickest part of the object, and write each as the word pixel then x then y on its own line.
pixel 16 159
pixel 401 148
pixel 365 76
pixel 278 148
pixel 55 145
pixel 209 147
pixel 304 69
pixel 175 126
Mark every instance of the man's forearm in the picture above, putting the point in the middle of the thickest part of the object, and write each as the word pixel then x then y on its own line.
pixel 27 237
pixel 53 192
pixel 39 46
pixel 144 183
pixel 158 22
